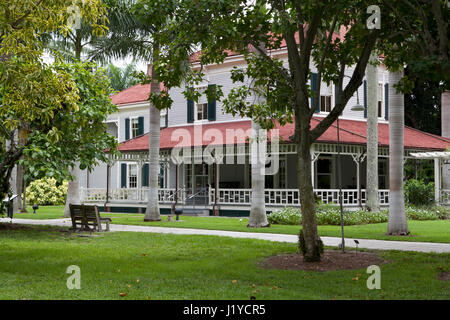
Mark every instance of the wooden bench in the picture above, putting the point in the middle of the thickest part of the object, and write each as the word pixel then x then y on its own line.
pixel 86 216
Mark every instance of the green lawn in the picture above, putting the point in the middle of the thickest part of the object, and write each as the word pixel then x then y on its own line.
pixel 33 265
pixel 427 231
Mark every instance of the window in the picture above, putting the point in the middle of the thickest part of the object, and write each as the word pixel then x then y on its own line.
pixel 324 173
pixel 163 122
pixel 380 100
pixel 325 103
pixel 382 174
pixel 188 176
pixel 282 174
pixel 202 111
pixel 134 127
pixel 132 176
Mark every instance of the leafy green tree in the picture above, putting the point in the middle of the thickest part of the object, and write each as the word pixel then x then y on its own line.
pixel 218 27
pixel 45 103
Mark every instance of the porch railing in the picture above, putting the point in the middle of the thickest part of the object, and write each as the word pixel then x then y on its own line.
pixel 130 195
pixel 274 197
pixel 350 197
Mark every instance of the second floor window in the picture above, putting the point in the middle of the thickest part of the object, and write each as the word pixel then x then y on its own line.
pixel 202 111
pixel 325 103
pixel 134 127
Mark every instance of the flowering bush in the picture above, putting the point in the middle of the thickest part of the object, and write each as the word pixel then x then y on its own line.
pixel 331 215
pixel 47 192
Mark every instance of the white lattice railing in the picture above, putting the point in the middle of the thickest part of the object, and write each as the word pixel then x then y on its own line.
pixel 350 197
pixel 166 195
pixel 274 197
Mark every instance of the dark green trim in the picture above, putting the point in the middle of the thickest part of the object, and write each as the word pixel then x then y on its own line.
pixel 145 175
pixel 140 126
pixel 190 110
pixel 365 99
pixel 127 129
pixel 314 88
pixel 212 106
pixel 123 175
pixel 386 101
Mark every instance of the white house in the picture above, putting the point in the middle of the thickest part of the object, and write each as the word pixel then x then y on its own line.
pixel 123 185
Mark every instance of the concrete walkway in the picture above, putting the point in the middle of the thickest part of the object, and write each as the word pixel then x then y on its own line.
pixel 328 241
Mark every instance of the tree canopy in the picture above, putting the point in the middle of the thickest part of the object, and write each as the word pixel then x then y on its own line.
pixel 51 115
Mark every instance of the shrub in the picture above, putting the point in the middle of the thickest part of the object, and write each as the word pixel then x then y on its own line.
pixel 418 193
pixel 47 192
pixel 331 215
pixel 287 215
pixel 415 213
pixel 327 215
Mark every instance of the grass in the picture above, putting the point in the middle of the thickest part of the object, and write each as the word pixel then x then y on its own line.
pixel 33 265
pixel 422 231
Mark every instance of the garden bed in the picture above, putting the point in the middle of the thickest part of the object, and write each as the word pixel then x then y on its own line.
pixel 332 260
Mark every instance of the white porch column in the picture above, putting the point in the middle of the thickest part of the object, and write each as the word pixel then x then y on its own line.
pixel 437 179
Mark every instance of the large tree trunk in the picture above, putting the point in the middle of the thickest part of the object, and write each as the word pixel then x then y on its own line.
pixel 152 212
pixel 372 201
pixel 258 217
pixel 307 201
pixel 397 224
pixel 73 190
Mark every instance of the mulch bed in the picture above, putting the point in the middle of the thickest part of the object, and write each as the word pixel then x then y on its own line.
pixel 7 226
pixel 14 226
pixel 444 276
pixel 331 260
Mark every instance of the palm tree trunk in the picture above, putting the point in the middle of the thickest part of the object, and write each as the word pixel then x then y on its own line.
pixel 397 224
pixel 445 120
pixel 73 190
pixel 258 217
pixel 152 212
pixel 372 201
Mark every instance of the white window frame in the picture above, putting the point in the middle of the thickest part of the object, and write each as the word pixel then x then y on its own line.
pixel 129 165
pixel 380 92
pixel 163 117
pixel 131 127
pixel 196 119
pixel 328 92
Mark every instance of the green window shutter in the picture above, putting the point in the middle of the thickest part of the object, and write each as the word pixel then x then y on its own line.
pixel 127 129
pixel 314 87
pixel 365 98
pixel 145 175
pixel 386 101
pixel 190 110
pixel 336 94
pixel 123 175
pixel 140 126
pixel 212 106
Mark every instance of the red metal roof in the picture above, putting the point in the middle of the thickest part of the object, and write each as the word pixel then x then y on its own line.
pixel 351 132
pixel 134 94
